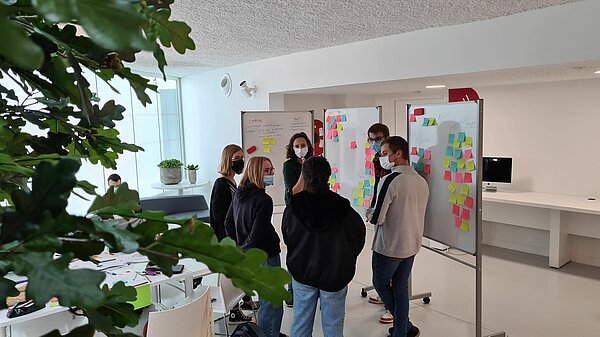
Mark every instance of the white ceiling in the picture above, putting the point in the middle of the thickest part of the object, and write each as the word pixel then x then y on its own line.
pixel 234 32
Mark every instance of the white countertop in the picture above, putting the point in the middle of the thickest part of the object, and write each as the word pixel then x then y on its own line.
pixel 544 200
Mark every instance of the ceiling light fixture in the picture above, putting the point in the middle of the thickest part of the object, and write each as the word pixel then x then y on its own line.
pixel 437 86
pixel 597 72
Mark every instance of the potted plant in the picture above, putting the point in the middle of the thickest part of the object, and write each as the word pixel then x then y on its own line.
pixel 170 171
pixel 192 170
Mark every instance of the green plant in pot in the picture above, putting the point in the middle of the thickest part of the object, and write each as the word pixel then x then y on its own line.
pixel 170 171
pixel 192 173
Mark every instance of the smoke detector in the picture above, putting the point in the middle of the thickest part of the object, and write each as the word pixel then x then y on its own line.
pixel 226 85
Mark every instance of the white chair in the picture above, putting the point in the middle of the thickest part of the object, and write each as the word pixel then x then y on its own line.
pixel 226 297
pixel 193 318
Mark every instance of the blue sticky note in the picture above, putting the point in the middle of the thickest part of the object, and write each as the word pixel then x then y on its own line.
pixel 421 153
pixel 336 139
pixel 458 154
pixel 368 171
pixel 420 167
pixel 344 118
pixel 355 201
pixel 414 165
pixel 461 137
pixel 425 121
pixel 449 151
pixel 451 138
pixel 453 166
pixel 367 183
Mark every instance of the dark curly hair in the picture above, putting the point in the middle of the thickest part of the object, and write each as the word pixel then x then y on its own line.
pixel 316 172
pixel 290 147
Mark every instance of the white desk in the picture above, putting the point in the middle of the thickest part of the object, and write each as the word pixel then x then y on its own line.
pixel 192 269
pixel 545 212
pixel 179 187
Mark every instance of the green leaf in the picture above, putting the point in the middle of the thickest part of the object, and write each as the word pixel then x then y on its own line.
pixel 17 48
pixel 52 278
pixel 7 289
pixel 122 198
pixel 117 238
pixel 115 312
pixel 174 33
pixel 82 331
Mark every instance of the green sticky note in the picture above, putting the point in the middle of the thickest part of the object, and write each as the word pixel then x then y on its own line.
pixel 425 122
pixel 470 165
pixel 456 144
pixel 143 298
pixel 431 121
pixel 464 226
pixel 461 163
pixel 367 183
pixel 446 162
pixel 361 202
pixel 451 138
pixel 361 185
pixel 355 201
pixel 372 181
pixel 421 153
pixel 458 154
pixel 453 198
pixel 452 187
pixel 464 189
pixel 453 166
pixel 449 151
pixel 468 141
pixel 461 137
pixel 461 199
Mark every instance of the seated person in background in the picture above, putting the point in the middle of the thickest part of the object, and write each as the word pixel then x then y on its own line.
pixel 114 180
pixel 324 236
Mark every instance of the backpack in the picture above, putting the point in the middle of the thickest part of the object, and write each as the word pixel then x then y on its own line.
pixel 248 330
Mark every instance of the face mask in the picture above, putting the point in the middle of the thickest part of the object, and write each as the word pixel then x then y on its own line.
pixel 268 180
pixel 385 162
pixel 376 146
pixel 238 166
pixel 300 153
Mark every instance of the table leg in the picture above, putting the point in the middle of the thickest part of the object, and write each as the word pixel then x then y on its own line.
pixel 560 253
pixel 188 284
pixel 180 191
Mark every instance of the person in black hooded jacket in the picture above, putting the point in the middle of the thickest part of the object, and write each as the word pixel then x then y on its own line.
pixel 248 223
pixel 324 236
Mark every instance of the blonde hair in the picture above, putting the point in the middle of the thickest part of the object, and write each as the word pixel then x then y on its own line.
pixel 253 173
pixel 226 161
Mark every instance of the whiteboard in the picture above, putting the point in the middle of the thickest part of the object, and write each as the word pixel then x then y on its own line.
pixel 267 133
pixel 348 153
pixel 446 151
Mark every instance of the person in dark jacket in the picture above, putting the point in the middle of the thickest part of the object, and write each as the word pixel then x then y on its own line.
pixel 248 223
pixel 232 163
pixel 324 236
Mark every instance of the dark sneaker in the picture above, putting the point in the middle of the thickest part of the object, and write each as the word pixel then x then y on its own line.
pixel 250 306
pixel 290 303
pixel 237 316
pixel 413 332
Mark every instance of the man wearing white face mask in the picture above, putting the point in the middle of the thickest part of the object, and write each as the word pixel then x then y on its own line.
pixel 399 218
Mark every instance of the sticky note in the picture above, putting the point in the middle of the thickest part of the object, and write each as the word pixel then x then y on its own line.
pixel 452 187
pixel 453 166
pixel 361 202
pixel 413 118
pixel 340 127
pixel 328 119
pixel 468 178
pixel 431 121
pixel 427 169
pixel 335 133
pixel 353 145
pixel 333 125
pixel 419 111
pixel 451 138
pixel 367 203
pixel 458 154
pixel 461 137
pixel 367 164
pixel 469 202
pixel 335 169
pixel 413 151
pixel 267 149
pixel 447 175
pixel 372 181
pixel 367 183
pixel 464 189
pixel 469 141
pixel 361 185
pixel 470 165
pixel 344 118
pixel 457 222
pixel 368 171
pixel 333 175
pixel 420 167
pixel 453 198
pixel 251 149
pixel 421 153
pixel 468 154
pixel 338 118
pixel 449 151
pixel 427 155
pixel 355 201
pixel 425 122
pixel 466 214
pixel 461 163
pixel 464 226
pixel 446 162
pixel 265 141
pixel 336 139
pixel 456 210
pixel 414 165
pixel 456 144
pixel 460 199
pixel 329 134
pixel 367 145
pixel 272 141
pixel 459 177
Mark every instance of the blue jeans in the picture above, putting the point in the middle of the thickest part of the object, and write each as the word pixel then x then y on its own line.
pixel 269 317
pixel 390 279
pixel 333 310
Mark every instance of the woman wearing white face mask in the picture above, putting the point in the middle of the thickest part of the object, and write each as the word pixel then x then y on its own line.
pixel 298 150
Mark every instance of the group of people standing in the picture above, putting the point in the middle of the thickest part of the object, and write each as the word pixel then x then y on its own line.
pixel 323 233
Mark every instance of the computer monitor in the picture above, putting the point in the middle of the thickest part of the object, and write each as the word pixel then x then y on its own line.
pixel 497 170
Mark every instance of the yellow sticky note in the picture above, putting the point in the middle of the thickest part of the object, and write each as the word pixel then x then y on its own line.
pixel 372 157
pixel 340 128
pixel 470 165
pixel 367 145
pixel 469 141
pixel 266 141
pixel 460 199
pixel 361 202
pixel 461 163
pixel 464 189
pixel 372 181
pixel 452 187
pixel 464 226
pixel 431 121
pixel 456 144
pixel 361 185
pixel 446 162
pixel 267 149
pixel 453 198
pixel 272 141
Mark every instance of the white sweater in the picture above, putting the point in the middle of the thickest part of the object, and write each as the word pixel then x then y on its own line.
pixel 399 229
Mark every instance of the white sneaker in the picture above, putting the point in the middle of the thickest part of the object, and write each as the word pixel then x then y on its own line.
pixel 386 318
pixel 375 300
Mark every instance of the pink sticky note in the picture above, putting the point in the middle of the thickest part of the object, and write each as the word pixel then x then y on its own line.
pixel 468 154
pixel 447 175
pixel 455 210
pixel 335 133
pixel 367 164
pixel 338 118
pixel 466 214
pixel 330 134
pixel 469 202
pixel 457 222
pixel 334 169
pixel 328 119
pixel 413 151
pixel 413 118
pixel 427 169
pixel 353 145
pixel 459 177
pixel 367 203
pixel 468 178
pixel 427 155
pixel 334 126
